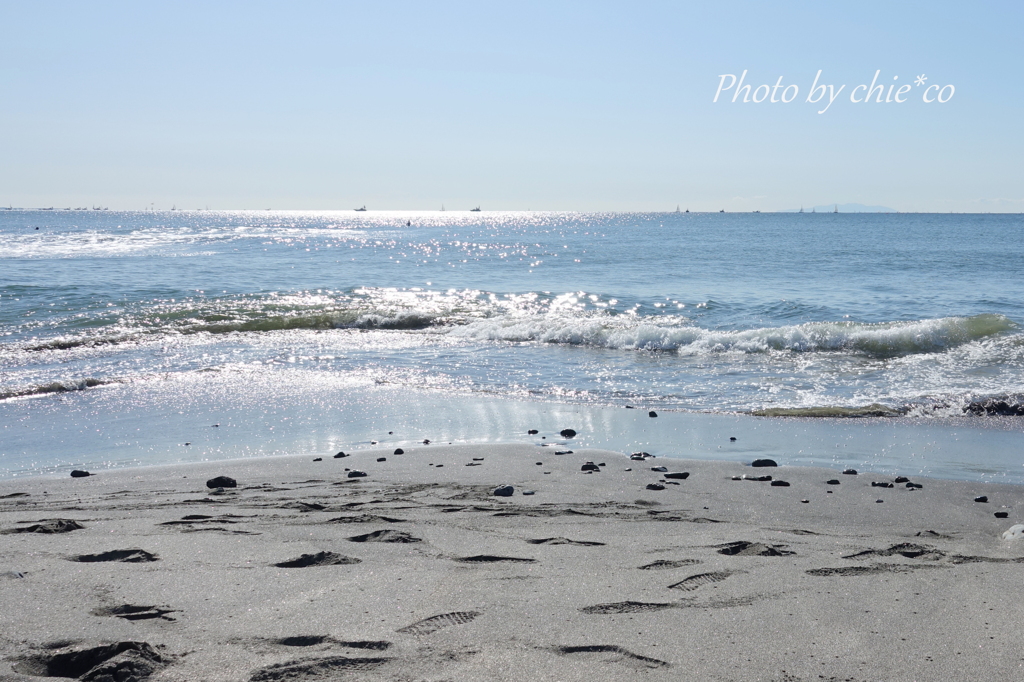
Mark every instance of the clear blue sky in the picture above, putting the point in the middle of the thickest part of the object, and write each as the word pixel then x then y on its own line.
pixel 539 105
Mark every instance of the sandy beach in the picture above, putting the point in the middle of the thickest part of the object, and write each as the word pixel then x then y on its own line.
pixel 418 571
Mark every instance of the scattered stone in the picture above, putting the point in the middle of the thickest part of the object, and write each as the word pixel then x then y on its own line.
pixel 567 433
pixel 680 475
pixel 901 479
pixel 318 459
pixel 318 559
pixel 652 414
pixel 340 455
pixel 355 473
pixel 478 459
pixel 759 479
pixel 602 464
pixel 780 484
pixel 426 441
pixel 540 464
pixel 563 452
pixel 1002 515
pixel 438 466
pixel 503 491
pixel 382 459
pixel 914 486
pixel 659 468
pixel 804 501
pixel 386 535
pixel 655 486
pixel 732 438
pixel 222 482
pixel 78 473
pixel 628 469
pixel 529 492
pixel 879 501
pixel 850 472
pixel 981 498
pixel 473 464
pixel 880 484
pixel 533 432
pixel 764 463
pixel 399 451
pixel 590 466
pixel 832 481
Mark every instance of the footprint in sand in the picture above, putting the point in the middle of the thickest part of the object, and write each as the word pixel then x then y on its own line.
pixel 431 625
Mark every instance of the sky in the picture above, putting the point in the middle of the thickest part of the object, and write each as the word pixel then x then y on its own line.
pixel 576 106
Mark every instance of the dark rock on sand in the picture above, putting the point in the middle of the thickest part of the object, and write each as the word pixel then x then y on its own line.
pixel 503 491
pixel 78 473
pixel 318 459
pixel 129 556
pixel 780 484
pixel 880 484
pixel 567 433
pixel 981 498
pixel 659 469
pixel 655 486
pixel 732 438
pixel 912 485
pixel 222 482
pixel 832 481
pixel 399 451
pixel 850 472
pixel 355 473
pixel 590 466
pixel 340 455
pixel 382 459
pixel 1002 515
pixel 901 479
pixel 652 414
pixel 680 475
pixel 764 463
pixel 759 479
pixel 532 432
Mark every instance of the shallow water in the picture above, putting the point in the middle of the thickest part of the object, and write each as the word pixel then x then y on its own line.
pixel 682 312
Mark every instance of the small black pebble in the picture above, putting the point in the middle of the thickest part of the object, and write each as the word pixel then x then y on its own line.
pixel 567 433
pixel 355 473
pixel 78 473
pixel 780 484
pixel 681 475
pixel 981 498
pixel 382 459
pixel 832 481
pixel 602 464
pixel 340 455
pixel 1002 515
pixel 532 432
pixel 222 482
pixel 655 486
pixel 902 479
pixel 540 464
pixel 188 443
pixel 391 433
pixel 880 484
pixel 318 459
pixel 804 501
pixel 879 501
pixel 589 466
pixel 399 451
pixel 652 414
pixel 850 472
pixel 764 463
pixel 438 466
pixel 478 459
pixel 373 442
pixel 732 437
pixel 426 441
pixel 914 486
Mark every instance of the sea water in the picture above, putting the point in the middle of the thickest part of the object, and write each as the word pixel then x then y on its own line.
pixel 125 335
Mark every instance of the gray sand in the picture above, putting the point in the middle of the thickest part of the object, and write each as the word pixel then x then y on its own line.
pixel 594 577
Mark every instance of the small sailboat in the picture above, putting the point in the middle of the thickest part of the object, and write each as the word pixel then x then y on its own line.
pixel 801 210
pixel 362 209
pixel 813 211
pixel 677 208
pixel 836 209
pixel 475 210
pixel 442 207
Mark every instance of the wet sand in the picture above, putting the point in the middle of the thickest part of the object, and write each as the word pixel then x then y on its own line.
pixel 417 571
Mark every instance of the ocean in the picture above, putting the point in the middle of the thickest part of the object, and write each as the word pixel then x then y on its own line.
pixel 126 335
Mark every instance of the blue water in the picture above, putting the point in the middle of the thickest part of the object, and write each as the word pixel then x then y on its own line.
pixel 698 313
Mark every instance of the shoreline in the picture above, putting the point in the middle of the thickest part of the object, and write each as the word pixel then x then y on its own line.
pixel 418 571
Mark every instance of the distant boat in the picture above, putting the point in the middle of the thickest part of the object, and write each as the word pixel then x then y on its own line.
pixel 677 208
pixel 442 207
pixel 837 209
pixel 475 210
pixel 686 211
pixel 813 211
pixel 174 207
pixel 361 209
pixel 722 211
pixel 801 210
